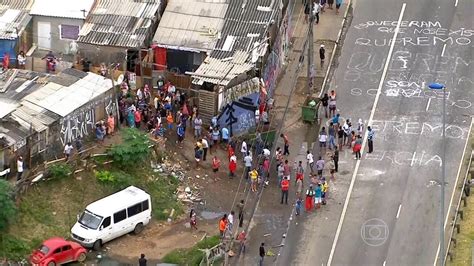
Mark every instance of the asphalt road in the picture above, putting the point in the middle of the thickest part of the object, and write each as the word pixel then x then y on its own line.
pixel 392 216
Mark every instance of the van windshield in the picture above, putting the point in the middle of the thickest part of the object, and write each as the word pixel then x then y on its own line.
pixel 90 220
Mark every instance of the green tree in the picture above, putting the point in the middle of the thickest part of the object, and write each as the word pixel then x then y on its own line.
pixel 134 148
pixel 7 204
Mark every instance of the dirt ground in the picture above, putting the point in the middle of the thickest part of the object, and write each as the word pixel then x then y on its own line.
pixel 160 238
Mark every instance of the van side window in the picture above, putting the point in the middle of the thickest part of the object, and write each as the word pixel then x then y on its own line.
pixel 120 216
pixel 145 205
pixel 134 210
pixel 106 222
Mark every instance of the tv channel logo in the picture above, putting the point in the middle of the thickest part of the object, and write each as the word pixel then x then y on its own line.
pixel 374 232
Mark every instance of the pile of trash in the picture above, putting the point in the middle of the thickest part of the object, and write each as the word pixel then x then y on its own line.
pixel 186 195
pixel 168 168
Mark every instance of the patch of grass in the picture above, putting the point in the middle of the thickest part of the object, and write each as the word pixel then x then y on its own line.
pixel 49 208
pixel 191 256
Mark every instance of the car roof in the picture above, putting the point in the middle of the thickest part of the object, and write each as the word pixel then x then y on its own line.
pixel 118 201
pixel 55 242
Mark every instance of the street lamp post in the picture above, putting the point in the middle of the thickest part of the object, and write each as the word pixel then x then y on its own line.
pixel 438 86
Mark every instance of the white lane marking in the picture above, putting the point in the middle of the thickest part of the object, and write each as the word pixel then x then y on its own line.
pixel 456 3
pixel 444 48
pixel 398 212
pixel 384 262
pixel 428 104
pixel 452 195
pixel 356 169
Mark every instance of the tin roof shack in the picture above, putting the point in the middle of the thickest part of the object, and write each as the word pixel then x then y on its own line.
pixel 52 110
pixel 14 85
pixel 235 59
pixel 56 25
pixel 115 30
pixel 15 30
pixel 188 31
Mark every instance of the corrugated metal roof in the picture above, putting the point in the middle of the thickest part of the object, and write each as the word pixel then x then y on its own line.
pixel 246 23
pixel 192 25
pixel 63 100
pixel 14 17
pixel 122 23
pixel 62 8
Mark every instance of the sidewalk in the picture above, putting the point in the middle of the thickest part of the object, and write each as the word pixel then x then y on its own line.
pixel 271 218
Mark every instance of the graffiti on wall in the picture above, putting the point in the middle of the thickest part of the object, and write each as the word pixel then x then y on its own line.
pixel 238 117
pixel 81 123
pixel 77 126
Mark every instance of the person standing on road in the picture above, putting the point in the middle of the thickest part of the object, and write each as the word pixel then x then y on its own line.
pixel 316 9
pixel 318 196
pixel 324 101
pixel 347 132
pixel 358 147
pixel 197 127
pixel 309 198
pixel 310 160
pixel 261 252
pixel 299 171
pixel 142 260
pixel 332 168
pixel 248 164
pixel 299 188
pixel 360 126
pixel 286 148
pixel 205 147
pixel 244 149
pixel 338 5
pixel 320 166
pixel 240 207
pixel 370 138
pixel 322 55
pixel 336 160
pixel 285 187
pixel 340 137
pixel 230 224
pixel 232 165
pixel 332 103
pixel 286 170
pixel 223 225
pixel 323 137
pixel 280 173
pixel 332 136
pixel 216 163
pixel 193 219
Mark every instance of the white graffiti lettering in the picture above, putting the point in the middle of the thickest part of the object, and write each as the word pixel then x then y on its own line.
pixel 406 158
pixel 428 129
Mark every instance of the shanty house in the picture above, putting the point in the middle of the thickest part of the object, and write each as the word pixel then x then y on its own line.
pixel 15 34
pixel 188 31
pixel 116 30
pixel 56 26
pixel 47 111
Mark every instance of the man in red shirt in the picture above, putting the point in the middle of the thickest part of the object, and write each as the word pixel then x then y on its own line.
pixel 286 149
pixel 285 186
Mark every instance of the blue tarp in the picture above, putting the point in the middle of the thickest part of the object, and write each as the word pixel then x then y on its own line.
pixel 8 46
pixel 239 116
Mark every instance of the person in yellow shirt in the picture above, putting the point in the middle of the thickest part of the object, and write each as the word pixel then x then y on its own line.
pixel 253 179
pixel 325 189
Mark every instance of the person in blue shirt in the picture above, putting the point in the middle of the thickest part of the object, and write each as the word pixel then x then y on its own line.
pixel 225 135
pixel 180 133
pixel 318 196
pixel 335 119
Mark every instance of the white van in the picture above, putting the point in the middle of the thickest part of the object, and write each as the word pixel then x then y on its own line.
pixel 113 216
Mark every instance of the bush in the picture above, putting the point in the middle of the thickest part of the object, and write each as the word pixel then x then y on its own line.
pixel 60 170
pixel 105 176
pixel 132 151
pixel 7 204
pixel 13 248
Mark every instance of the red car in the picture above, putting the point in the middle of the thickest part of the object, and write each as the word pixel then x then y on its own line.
pixel 57 251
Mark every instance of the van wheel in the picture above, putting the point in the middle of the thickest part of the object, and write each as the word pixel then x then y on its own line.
pixel 97 245
pixel 81 257
pixel 138 229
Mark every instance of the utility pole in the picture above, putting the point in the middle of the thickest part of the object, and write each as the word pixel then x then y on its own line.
pixel 311 69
